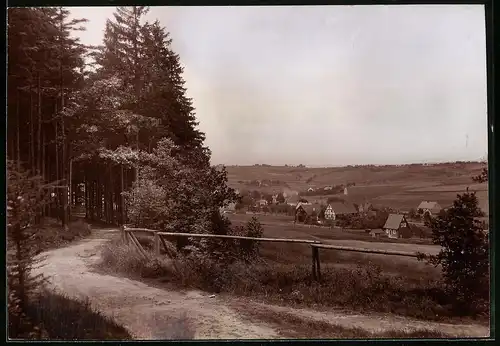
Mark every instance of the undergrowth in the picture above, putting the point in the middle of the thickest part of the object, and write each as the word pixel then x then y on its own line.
pixel 363 288
pixel 57 317
pixel 52 235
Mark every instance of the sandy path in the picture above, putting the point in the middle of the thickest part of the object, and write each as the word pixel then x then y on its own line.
pixel 374 323
pixel 148 312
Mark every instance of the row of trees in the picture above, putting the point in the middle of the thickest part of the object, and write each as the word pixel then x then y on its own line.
pixel 125 124
pixel 120 136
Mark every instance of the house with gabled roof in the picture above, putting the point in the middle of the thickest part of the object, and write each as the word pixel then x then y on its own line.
pixel 427 207
pixel 305 211
pixel 335 209
pixel 396 226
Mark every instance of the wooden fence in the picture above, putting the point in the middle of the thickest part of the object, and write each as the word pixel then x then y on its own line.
pixel 159 241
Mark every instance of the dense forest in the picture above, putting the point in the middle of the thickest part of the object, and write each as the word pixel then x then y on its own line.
pixel 110 128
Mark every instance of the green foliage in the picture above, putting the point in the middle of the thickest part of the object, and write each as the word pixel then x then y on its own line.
pixel 482 177
pixel 364 221
pixel 176 196
pixel 25 196
pixel 464 257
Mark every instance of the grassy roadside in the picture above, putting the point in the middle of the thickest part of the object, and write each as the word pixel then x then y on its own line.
pixel 52 236
pixel 292 326
pixel 362 288
pixel 50 315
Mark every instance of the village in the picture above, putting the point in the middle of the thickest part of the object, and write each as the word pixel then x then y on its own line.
pixel 325 207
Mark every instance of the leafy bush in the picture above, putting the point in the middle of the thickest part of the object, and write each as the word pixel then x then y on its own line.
pixel 178 193
pixel 464 257
pixel 364 221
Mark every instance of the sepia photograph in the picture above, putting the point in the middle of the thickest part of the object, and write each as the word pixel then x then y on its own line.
pixel 247 172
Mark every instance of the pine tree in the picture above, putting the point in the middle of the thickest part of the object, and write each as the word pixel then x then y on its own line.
pixel 25 194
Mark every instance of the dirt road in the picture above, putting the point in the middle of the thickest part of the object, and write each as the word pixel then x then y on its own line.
pixel 151 313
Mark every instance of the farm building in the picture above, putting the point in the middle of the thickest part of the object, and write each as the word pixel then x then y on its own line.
pixel 305 211
pixel 396 226
pixel 334 209
pixel 377 233
pixel 432 208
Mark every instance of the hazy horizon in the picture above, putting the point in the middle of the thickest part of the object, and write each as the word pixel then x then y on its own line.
pixel 330 85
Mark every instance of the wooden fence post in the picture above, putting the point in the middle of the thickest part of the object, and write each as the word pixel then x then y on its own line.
pixel 157 244
pixel 313 249
pixel 318 267
pixel 123 235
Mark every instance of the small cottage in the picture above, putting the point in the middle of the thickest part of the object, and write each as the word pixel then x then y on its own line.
pixel 307 211
pixel 396 226
pixel 431 208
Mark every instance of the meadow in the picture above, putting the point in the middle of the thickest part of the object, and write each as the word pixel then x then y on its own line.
pixel 277 226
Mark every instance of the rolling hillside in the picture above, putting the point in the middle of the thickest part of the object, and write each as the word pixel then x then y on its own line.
pixel 401 187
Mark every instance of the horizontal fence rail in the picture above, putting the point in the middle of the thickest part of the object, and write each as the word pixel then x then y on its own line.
pixel 282 240
pixel 374 251
pixel 129 236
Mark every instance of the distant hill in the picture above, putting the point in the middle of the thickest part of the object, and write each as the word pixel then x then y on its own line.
pixel 401 186
pixel 301 178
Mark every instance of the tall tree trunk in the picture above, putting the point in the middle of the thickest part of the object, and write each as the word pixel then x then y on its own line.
pixel 32 131
pixel 18 123
pixel 86 197
pixel 64 138
pixel 39 132
pixel 111 196
pixel 43 162
pixel 122 199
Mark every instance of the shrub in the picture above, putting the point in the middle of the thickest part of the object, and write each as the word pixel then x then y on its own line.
pixel 25 197
pixel 464 257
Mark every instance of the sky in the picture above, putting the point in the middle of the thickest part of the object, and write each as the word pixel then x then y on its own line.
pixel 330 85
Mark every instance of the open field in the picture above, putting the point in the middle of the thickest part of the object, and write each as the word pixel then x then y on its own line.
pixel 300 177
pixel 289 254
pixel 398 187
